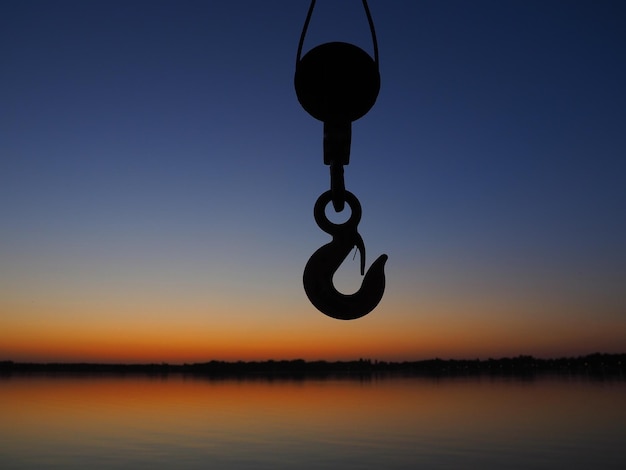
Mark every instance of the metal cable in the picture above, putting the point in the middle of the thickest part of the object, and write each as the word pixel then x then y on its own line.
pixel 308 20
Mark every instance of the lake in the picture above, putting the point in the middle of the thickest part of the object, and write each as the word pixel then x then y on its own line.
pixel 185 422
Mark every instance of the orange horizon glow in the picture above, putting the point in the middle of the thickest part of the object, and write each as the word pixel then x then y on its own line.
pixel 179 331
pixel 179 346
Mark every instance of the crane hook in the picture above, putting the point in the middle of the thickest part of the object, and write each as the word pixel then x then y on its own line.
pixel 321 267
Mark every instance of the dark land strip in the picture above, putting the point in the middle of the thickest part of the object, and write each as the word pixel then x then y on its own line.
pixel 594 366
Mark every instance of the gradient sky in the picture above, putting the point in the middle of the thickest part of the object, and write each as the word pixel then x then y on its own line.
pixel 158 176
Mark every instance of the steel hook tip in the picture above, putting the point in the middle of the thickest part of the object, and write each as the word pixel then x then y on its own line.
pixel 321 267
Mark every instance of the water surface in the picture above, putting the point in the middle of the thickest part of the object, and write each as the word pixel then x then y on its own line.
pixel 396 423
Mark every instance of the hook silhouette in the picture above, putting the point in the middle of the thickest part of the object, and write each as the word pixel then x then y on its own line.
pixel 321 267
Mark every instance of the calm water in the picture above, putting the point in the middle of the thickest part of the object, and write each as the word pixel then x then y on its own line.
pixel 189 423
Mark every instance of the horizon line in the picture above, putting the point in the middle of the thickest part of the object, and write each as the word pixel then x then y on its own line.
pixel 528 357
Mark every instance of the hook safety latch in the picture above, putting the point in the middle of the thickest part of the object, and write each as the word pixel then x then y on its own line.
pixel 321 267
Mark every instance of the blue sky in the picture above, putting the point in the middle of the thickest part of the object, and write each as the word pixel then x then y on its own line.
pixel 156 168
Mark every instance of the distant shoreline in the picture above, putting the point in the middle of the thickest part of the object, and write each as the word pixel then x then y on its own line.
pixel 609 366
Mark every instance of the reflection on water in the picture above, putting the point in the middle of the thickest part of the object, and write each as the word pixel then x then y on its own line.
pixel 416 423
